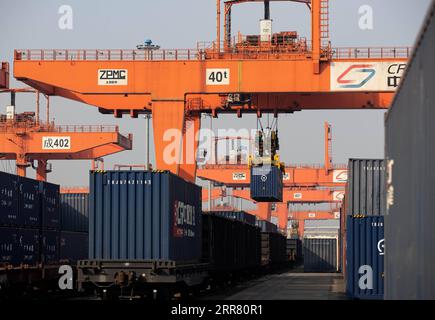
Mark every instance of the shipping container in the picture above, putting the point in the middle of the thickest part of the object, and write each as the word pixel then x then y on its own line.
pixel 74 210
pixel 410 153
pixel 9 200
pixel 273 248
pixel 366 194
pixel 19 247
pixel 73 246
pixel 365 257
pixel 50 242
pixel 266 184
pixel 230 245
pixel 30 244
pixel 319 228
pixel 236 215
pixel 29 202
pixel 294 249
pixel 50 205
pixel 320 255
pixel 137 215
pixel 266 226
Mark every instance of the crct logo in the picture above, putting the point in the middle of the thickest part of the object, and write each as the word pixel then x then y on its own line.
pixel 184 220
pixel 356 76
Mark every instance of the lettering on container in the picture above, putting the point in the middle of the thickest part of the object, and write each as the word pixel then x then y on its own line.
pixel 184 220
pixel 129 181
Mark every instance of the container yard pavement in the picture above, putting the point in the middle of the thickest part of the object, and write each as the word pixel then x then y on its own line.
pixel 291 286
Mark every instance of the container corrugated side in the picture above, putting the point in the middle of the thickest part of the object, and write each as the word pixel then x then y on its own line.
pixel 410 152
pixel 73 246
pixel 320 255
pixel 19 246
pixel 139 215
pixel 9 200
pixel 273 248
pixel 266 184
pixel 50 205
pixel 237 215
pixel 366 194
pixel 50 242
pixel 230 245
pixel 365 257
pixel 74 210
pixel 29 202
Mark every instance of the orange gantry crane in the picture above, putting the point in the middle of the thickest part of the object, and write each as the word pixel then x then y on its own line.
pixel 24 138
pixel 301 183
pixel 236 174
pixel 301 216
pixel 266 73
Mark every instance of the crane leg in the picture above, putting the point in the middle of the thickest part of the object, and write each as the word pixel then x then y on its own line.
pixel 175 139
pixel 41 170
pixel 21 165
pixel 282 215
pixel 264 210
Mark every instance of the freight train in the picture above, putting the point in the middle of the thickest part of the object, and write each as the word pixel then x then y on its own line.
pixel 142 233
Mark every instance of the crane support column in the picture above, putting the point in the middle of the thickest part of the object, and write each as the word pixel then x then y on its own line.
pixel 281 213
pixel 264 210
pixel 315 34
pixel 21 165
pixel 175 138
pixel 41 170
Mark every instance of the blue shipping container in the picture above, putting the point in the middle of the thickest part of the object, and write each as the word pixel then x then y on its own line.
pixel 8 200
pixel 139 215
pixel 30 246
pixel 29 202
pixel 266 184
pixel 365 257
pixel 74 209
pixel 19 246
pixel 50 241
pixel 50 205
pixel 73 246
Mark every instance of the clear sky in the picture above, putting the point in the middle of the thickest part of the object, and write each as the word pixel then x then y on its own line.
pixel 180 24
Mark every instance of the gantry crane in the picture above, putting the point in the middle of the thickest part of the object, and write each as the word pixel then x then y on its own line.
pixel 300 216
pixel 301 182
pixel 234 172
pixel 271 72
pixel 24 138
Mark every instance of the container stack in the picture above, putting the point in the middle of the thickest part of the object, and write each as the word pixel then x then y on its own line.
pixel 364 243
pixel 29 222
pixel 74 208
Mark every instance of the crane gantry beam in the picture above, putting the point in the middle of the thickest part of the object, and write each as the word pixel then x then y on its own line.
pixel 282 75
